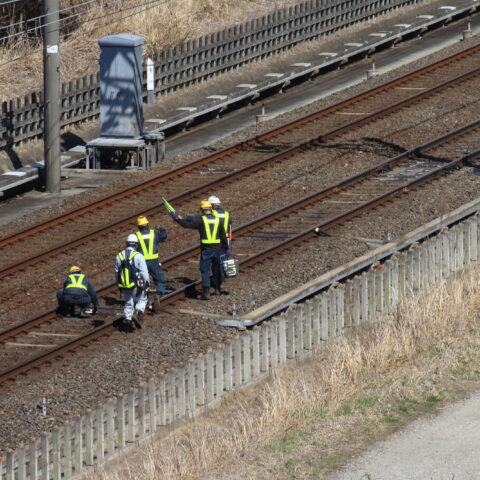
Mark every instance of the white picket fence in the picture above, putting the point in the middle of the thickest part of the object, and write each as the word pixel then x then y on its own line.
pixel 162 403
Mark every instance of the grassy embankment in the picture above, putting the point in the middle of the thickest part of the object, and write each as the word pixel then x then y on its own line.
pixel 307 419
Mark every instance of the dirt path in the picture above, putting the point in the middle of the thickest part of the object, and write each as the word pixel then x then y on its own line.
pixel 440 447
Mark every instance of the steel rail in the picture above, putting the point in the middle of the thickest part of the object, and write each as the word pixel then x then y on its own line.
pixel 264 254
pixel 40 226
pixel 239 174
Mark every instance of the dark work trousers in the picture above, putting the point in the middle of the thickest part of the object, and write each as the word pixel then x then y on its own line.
pixel 67 300
pixel 156 271
pixel 210 268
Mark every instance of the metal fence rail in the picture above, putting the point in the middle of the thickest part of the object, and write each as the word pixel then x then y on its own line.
pixel 199 59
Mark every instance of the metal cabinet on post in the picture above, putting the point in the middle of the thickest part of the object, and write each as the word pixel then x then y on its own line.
pixel 121 104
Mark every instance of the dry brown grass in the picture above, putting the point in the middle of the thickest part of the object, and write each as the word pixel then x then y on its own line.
pixel 350 392
pixel 166 24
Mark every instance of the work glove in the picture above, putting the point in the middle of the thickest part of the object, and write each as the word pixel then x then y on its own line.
pixel 228 252
pixel 174 215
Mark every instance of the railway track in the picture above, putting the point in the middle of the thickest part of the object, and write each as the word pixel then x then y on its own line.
pixel 282 229
pixel 106 217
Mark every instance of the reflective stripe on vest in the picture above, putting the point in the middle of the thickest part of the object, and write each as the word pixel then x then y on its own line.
pixel 77 281
pixel 125 281
pixel 226 219
pixel 147 252
pixel 211 230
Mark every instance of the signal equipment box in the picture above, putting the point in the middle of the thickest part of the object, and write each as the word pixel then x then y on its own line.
pixel 121 104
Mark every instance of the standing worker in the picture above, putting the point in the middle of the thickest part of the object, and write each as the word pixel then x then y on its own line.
pixel 132 279
pixel 148 240
pixel 224 216
pixel 77 291
pixel 213 242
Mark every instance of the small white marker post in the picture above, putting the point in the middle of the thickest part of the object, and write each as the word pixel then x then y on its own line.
pixel 150 81
pixel 468 32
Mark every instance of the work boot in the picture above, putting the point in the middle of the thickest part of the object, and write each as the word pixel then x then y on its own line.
pixel 156 302
pixel 206 293
pixel 220 291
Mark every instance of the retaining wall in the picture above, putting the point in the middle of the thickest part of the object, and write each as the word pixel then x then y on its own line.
pixel 159 404
pixel 199 59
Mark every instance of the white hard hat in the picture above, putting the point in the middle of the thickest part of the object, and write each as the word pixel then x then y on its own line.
pixel 214 200
pixel 132 238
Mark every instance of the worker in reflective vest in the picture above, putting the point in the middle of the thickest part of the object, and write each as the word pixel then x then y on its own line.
pixel 213 243
pixel 224 216
pixel 148 240
pixel 131 275
pixel 77 291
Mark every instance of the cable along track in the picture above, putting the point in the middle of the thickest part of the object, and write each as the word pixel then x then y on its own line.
pixel 77 225
pixel 286 227
pixel 186 183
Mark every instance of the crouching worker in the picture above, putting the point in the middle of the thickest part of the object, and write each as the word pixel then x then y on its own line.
pixel 132 279
pixel 77 291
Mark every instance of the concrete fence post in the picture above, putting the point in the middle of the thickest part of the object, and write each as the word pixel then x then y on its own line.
pixel 394 297
pixel 45 456
pixel 181 398
pixel 141 410
pixel 264 348
pixel 453 249
pixel 247 359
pixel 299 333
pixel 467 254
pixel 430 255
pixel 56 459
pixel 438 243
pixel 219 374
pixel 409 271
pixel 332 313
pixel 88 437
pixel 340 298
pixel 387 285
pixel 401 275
pixel 473 233
pixel 237 361
pixel 22 464
pixel 356 307
pixel 170 398
pixel 191 387
pixel 282 339
pixel 78 444
pixel 200 384
pixel 460 247
pixel 364 297
pixel 228 381
pixel 372 306
pixel 324 317
pixel 307 328
pixel 273 335
pixel 445 256
pixel 100 429
pixel 131 415
pixel 256 351
pixel 67 450
pixel 152 405
pixel 10 465
pixel 378 288
pixel 291 315
pixel 120 421
pixel 110 406
pixel 161 401
pixel 33 454
pixel 348 321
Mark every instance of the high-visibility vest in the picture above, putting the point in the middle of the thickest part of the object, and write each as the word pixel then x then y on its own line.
pixel 76 280
pixel 147 250
pixel 211 230
pixel 124 278
pixel 226 219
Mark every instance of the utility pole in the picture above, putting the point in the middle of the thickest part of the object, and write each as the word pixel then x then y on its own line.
pixel 51 95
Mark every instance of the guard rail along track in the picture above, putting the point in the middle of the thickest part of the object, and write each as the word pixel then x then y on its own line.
pixel 297 222
pixel 20 249
pixel 202 58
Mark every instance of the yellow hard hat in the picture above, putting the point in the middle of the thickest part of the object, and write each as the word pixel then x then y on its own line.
pixel 204 204
pixel 74 268
pixel 141 221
